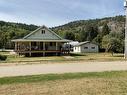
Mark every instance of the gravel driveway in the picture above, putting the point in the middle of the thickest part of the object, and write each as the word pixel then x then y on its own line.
pixel 34 69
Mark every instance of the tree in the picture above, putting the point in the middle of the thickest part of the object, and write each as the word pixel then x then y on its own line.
pixel 77 37
pixel 1 43
pixel 105 42
pixel 70 36
pixel 83 34
pixel 4 39
pixel 89 33
pixel 105 30
pixel 98 40
pixel 112 45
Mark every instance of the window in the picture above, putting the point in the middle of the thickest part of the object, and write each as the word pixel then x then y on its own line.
pixel 92 47
pixel 85 47
pixel 43 31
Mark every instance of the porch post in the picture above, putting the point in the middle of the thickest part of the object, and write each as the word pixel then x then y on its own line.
pixel 30 48
pixel 15 46
pixel 43 48
pixel 56 48
pixel 39 45
pixel 18 46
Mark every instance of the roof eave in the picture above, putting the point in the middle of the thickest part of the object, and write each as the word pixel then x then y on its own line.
pixel 24 40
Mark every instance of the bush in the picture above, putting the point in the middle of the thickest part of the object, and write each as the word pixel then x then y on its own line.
pixel 3 57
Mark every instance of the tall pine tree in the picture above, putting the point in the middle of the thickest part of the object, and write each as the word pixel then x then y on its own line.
pixel 105 30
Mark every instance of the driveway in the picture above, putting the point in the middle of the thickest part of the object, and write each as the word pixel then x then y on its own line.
pixel 35 69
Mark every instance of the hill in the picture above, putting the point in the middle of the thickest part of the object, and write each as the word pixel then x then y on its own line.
pixel 93 30
pixel 115 24
pixel 10 30
pixel 108 33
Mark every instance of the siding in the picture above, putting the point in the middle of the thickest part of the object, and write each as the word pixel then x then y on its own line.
pixel 77 49
pixel 39 36
pixel 89 49
pixel 86 48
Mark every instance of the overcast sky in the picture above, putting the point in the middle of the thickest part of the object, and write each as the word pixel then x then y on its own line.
pixel 57 12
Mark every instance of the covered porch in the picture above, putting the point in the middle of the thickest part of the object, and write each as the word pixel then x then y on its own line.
pixel 40 48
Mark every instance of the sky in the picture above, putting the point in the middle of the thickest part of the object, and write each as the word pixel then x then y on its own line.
pixel 57 12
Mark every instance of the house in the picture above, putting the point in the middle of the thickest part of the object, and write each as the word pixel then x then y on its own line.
pixel 40 42
pixel 86 47
pixel 71 44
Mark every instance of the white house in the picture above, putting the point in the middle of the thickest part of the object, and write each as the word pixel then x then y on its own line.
pixel 73 43
pixel 86 47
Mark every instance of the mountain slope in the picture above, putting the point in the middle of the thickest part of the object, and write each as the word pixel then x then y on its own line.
pixel 75 30
pixel 116 24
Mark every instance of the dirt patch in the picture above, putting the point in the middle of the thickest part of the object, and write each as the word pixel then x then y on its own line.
pixel 35 69
pixel 68 57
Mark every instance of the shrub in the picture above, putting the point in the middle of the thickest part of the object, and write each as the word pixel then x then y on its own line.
pixel 3 57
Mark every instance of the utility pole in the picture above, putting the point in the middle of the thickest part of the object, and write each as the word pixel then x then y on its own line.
pixel 125 53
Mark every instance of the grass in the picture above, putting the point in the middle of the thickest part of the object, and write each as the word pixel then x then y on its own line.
pixel 101 57
pixel 15 58
pixel 59 59
pixel 102 83
pixel 52 77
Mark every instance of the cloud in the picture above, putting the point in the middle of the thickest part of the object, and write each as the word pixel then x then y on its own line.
pixel 52 13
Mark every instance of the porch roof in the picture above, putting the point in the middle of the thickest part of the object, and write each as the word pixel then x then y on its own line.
pixel 29 40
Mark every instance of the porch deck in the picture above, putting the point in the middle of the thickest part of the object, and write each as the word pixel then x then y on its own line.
pixel 38 51
pixel 43 52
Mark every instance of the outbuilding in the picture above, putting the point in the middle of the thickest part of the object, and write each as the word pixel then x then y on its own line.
pixel 86 47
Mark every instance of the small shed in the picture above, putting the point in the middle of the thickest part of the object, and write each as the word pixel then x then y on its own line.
pixel 86 47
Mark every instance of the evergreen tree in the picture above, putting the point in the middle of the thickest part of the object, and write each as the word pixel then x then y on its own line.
pixel 70 36
pixel 105 30
pixel 98 40
pixel 84 35
pixel 89 33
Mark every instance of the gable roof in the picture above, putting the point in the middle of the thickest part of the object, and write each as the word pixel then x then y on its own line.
pixel 36 36
pixel 82 43
pixel 42 27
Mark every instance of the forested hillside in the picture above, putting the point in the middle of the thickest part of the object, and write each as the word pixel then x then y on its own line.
pixel 108 33
pixel 115 24
pixel 10 31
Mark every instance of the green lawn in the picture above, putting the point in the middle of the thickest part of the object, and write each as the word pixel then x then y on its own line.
pixel 52 77
pixel 16 58
pixel 73 57
pixel 101 83
pixel 101 57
